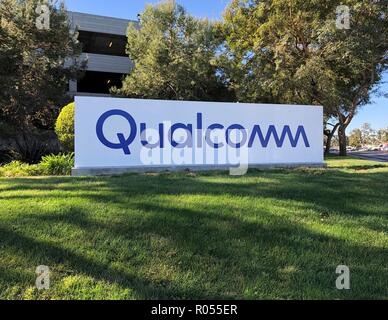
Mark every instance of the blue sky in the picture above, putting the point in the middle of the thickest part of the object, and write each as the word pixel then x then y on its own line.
pixel 376 114
pixel 128 9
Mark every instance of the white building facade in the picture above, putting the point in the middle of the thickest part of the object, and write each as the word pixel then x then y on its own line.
pixel 103 41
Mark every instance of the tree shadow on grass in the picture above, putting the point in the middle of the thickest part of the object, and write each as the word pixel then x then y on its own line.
pixel 223 254
pixel 237 258
pixel 52 254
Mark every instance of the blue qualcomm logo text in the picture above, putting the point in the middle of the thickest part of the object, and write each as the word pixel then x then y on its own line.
pixel 264 138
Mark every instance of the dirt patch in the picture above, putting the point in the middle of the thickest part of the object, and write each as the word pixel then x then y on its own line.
pixel 360 168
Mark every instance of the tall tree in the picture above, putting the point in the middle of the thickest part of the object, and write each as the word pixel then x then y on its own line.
pixel 382 135
pixel 34 45
pixel 369 135
pixel 355 138
pixel 291 51
pixel 174 56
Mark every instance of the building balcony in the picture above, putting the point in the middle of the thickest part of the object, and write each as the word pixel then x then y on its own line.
pixel 107 63
pixel 94 23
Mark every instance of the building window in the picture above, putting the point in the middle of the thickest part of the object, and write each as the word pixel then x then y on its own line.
pixel 99 82
pixel 102 43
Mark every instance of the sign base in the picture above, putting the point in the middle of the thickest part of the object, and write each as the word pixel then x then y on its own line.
pixel 112 171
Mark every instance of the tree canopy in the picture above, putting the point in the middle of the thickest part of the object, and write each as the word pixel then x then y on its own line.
pixel 291 51
pixel 174 56
pixel 33 76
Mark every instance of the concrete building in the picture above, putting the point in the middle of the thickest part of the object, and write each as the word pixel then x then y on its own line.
pixel 103 40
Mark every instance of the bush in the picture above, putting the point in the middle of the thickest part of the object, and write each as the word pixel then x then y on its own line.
pixel 51 165
pixel 19 169
pixel 64 127
pixel 57 165
pixel 30 147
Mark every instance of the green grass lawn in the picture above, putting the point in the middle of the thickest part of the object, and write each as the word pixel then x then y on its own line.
pixel 277 234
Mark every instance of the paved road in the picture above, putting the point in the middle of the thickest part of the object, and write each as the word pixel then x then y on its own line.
pixel 371 155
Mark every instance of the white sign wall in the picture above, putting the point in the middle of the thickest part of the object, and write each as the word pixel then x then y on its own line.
pixel 132 133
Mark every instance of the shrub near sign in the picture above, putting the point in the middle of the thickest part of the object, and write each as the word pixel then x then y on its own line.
pixel 118 134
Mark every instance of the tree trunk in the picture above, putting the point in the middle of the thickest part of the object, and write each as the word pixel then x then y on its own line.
pixel 344 121
pixel 330 134
pixel 328 144
pixel 342 140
